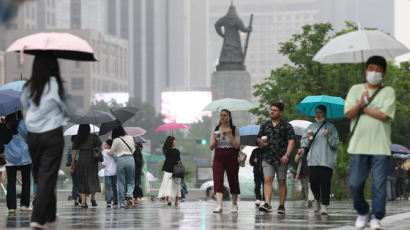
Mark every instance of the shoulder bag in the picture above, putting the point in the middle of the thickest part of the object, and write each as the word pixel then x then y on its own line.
pixel 313 139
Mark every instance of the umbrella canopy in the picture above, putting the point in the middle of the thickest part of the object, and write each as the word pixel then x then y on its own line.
pixel 9 102
pixel 300 126
pixel 231 104
pixel 139 140
pixel 122 115
pixel 334 106
pixel 395 148
pixel 170 126
pixel 135 131
pixel 15 85
pixel 92 117
pixel 249 130
pixel 358 46
pixel 63 45
pixel 73 130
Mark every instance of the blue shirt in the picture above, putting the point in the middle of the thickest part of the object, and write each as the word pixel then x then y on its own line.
pixel 51 112
pixel 16 150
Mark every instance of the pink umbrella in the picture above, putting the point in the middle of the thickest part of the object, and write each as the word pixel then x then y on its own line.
pixel 135 131
pixel 170 126
pixel 63 45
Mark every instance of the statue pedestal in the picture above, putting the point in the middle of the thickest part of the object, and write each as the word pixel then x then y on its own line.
pixel 232 84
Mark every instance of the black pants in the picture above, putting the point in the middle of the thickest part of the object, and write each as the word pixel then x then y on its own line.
pixel 46 150
pixel 320 178
pixel 11 185
pixel 137 193
pixel 399 187
pixel 258 179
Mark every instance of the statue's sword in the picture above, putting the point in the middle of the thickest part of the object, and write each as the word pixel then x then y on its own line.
pixel 247 40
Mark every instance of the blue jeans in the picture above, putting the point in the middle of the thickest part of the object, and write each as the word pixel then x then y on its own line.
pixel 125 177
pixel 111 183
pixel 391 188
pixel 74 194
pixel 360 165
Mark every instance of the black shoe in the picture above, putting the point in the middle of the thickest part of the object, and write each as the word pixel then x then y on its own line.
pixel 128 199
pixel 93 203
pixel 265 208
pixel 108 204
pixel 281 209
pixel 115 204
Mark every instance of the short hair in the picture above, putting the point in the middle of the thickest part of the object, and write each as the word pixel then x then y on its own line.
pixel 322 108
pixel 377 60
pixel 279 104
pixel 109 142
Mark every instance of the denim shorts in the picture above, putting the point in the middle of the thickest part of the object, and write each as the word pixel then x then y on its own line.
pixel 278 169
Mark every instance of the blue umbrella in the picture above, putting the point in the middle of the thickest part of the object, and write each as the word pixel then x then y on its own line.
pixel 249 130
pixel 15 85
pixel 334 106
pixel 9 102
pixel 139 139
pixel 395 148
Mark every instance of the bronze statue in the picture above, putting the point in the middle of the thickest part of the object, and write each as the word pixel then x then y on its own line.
pixel 232 56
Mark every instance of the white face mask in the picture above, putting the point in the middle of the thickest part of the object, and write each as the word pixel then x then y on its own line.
pixel 374 77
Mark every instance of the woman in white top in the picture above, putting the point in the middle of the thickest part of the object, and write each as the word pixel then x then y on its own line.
pixel 47 105
pixel 123 146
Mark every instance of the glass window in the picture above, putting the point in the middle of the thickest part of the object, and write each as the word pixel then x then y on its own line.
pixel 77 83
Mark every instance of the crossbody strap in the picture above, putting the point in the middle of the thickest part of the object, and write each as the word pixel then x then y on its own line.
pixel 127 145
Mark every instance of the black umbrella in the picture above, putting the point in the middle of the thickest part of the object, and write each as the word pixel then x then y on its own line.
pixel 139 140
pixel 122 115
pixel 92 117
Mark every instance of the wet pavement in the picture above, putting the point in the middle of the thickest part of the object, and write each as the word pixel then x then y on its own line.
pixel 198 215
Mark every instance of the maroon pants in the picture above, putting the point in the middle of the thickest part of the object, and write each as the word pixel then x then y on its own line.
pixel 226 159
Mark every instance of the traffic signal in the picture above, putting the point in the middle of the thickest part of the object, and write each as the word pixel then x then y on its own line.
pixel 202 141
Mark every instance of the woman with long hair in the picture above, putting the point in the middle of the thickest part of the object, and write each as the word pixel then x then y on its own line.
pixel 86 167
pixel 225 141
pixel 123 147
pixel 47 105
pixel 170 186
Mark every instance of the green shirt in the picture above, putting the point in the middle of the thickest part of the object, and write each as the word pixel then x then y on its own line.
pixel 372 136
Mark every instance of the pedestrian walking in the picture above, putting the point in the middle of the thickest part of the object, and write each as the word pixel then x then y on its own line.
pixel 321 157
pixel 256 162
pixel 400 180
pixel 18 159
pixel 74 192
pixel 139 162
pixel 47 103
pixel 110 175
pixel 226 142
pixel 123 147
pixel 86 165
pixel 170 187
pixel 391 179
pixel 371 109
pixel 277 137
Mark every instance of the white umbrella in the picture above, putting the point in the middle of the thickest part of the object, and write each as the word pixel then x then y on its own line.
pixel 231 104
pixel 358 46
pixel 300 126
pixel 73 130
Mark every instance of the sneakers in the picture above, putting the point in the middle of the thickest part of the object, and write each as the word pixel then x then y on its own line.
pixel 257 203
pixel 375 224
pixel 361 221
pixel 281 209
pixel 234 209
pixel 265 208
pixel 36 226
pixel 128 199
pixel 218 209
pixel 25 208
pixel 323 211
pixel 109 205
pixel 310 203
pixel 317 206
pixel 12 210
pixel 122 205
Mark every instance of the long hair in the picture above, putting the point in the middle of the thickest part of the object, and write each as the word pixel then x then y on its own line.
pixel 83 133
pixel 118 132
pixel 230 119
pixel 168 144
pixel 44 67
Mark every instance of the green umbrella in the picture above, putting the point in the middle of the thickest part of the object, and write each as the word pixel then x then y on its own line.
pixel 231 104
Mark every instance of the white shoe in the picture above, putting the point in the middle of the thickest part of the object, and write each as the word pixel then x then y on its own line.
pixel 36 226
pixel 375 224
pixel 323 211
pixel 234 209
pixel 25 208
pixel 317 206
pixel 361 221
pixel 218 209
pixel 257 202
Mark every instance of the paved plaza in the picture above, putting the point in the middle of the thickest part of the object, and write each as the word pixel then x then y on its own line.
pixel 198 215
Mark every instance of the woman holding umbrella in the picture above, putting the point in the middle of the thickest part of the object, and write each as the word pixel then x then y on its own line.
pixel 47 104
pixel 323 139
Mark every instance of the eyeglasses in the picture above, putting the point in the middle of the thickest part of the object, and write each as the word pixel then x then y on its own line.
pixel 274 110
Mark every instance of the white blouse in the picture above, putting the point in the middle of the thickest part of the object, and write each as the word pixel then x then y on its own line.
pixel 224 141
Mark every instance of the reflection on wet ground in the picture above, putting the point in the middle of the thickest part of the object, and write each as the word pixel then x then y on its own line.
pixel 195 215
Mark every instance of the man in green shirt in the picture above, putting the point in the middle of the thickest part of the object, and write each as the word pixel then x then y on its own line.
pixel 369 146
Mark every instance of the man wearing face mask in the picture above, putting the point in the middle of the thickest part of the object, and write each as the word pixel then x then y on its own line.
pixel 369 146
pixel 321 158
